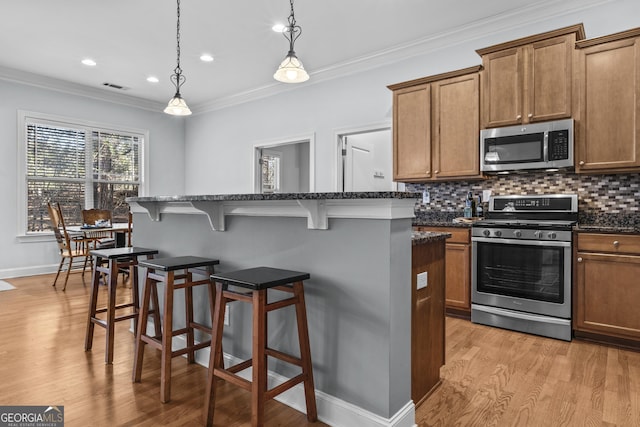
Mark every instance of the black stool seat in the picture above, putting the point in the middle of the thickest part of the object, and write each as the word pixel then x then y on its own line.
pixel 122 252
pixel 178 263
pixel 260 277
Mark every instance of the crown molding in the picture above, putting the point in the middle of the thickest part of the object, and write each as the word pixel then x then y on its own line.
pixel 536 12
pixel 44 82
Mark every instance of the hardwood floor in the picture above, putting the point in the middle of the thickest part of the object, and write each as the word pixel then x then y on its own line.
pixel 43 362
pixel 494 377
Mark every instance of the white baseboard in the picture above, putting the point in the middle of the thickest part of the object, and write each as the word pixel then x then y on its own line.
pixel 9 273
pixel 331 410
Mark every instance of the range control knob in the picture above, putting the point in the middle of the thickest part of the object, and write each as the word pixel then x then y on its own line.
pixel 498 233
pixel 537 234
pixel 552 235
pixel 517 233
pixel 486 233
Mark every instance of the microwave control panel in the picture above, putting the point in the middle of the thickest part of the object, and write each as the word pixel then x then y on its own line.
pixel 558 145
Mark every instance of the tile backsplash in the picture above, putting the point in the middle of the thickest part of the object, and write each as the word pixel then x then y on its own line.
pixel 597 194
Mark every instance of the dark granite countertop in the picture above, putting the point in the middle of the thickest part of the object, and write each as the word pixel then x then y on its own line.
pixel 439 219
pixel 278 196
pixel 422 237
pixel 596 222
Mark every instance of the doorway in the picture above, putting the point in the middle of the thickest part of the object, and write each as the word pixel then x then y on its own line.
pixel 284 166
pixel 365 160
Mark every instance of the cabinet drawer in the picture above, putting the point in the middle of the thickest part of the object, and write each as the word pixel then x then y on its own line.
pixel 458 235
pixel 613 243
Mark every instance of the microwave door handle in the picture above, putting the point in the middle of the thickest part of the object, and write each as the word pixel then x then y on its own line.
pixel 545 146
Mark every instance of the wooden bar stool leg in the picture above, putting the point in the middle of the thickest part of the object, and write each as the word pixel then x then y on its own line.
pixel 167 338
pixel 142 327
pixel 111 310
pixel 135 296
pixel 157 323
pixel 188 300
pixel 259 372
pixel 215 355
pixel 93 304
pixel 305 352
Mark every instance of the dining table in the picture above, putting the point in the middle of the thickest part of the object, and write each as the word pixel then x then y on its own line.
pixel 119 229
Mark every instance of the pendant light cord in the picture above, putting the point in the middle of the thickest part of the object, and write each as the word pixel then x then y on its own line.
pixel 293 30
pixel 177 77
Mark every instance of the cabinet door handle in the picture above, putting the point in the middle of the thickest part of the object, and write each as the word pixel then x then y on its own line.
pixel 518 117
pixel 530 115
pixel 428 172
pixel 579 259
pixel 616 243
pixel 436 172
pixel 581 163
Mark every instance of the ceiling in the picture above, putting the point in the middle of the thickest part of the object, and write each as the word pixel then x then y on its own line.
pixel 133 39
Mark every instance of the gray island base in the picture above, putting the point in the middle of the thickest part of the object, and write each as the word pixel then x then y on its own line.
pixel 357 249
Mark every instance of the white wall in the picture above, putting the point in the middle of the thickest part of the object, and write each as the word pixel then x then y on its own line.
pixel 219 143
pixel 166 154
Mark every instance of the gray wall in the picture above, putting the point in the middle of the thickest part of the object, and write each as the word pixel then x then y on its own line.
pixel 166 165
pixel 355 100
pixel 355 299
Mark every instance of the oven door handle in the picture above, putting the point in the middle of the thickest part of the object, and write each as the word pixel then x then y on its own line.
pixel 522 242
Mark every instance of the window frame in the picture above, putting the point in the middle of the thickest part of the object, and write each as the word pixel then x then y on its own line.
pixel 25 117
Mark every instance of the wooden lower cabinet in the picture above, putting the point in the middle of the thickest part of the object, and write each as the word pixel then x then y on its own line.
pixel 458 270
pixel 427 319
pixel 607 285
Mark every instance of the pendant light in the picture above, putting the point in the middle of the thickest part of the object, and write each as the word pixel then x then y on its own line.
pixel 291 69
pixel 177 106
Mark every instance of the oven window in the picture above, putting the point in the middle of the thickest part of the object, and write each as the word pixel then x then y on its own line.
pixel 524 271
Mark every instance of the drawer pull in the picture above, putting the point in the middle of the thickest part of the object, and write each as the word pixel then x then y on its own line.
pixel 579 259
pixel 581 163
pixel 616 243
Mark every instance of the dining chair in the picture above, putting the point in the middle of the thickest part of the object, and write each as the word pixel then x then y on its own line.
pixel 96 218
pixel 71 247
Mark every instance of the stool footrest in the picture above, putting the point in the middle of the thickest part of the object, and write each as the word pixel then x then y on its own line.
pixel 283 356
pixel 232 378
pixel 281 304
pixel 240 366
pixel 118 307
pixel 270 394
pixel 186 350
pixel 103 323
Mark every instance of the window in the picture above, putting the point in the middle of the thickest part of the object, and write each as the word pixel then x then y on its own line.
pixel 78 165
pixel 270 173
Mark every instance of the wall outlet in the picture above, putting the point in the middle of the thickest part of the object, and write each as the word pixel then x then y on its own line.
pixel 426 197
pixel 422 280
pixel 227 315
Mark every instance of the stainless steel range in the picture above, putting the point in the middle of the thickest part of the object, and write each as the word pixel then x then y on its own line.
pixel 521 271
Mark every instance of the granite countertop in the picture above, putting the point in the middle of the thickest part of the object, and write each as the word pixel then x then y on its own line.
pixel 595 222
pixel 439 219
pixel 278 196
pixel 422 237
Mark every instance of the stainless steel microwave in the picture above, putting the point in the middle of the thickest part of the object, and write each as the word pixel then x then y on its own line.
pixel 547 145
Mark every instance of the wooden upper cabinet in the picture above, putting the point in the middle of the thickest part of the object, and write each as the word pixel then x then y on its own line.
pixel 608 86
pixel 412 133
pixel 456 127
pixel 436 126
pixel 529 79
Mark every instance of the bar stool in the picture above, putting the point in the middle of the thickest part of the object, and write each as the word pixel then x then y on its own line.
pixel 163 270
pixel 109 262
pixel 258 281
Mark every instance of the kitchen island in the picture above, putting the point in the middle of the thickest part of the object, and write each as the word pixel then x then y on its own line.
pixel 357 248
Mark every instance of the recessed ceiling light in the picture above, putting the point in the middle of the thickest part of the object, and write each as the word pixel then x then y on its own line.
pixel 89 62
pixel 205 57
pixel 152 79
pixel 279 28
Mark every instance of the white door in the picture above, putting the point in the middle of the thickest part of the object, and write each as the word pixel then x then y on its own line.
pixel 367 161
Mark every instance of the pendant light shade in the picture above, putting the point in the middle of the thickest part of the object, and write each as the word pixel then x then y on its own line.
pixel 291 69
pixel 177 105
